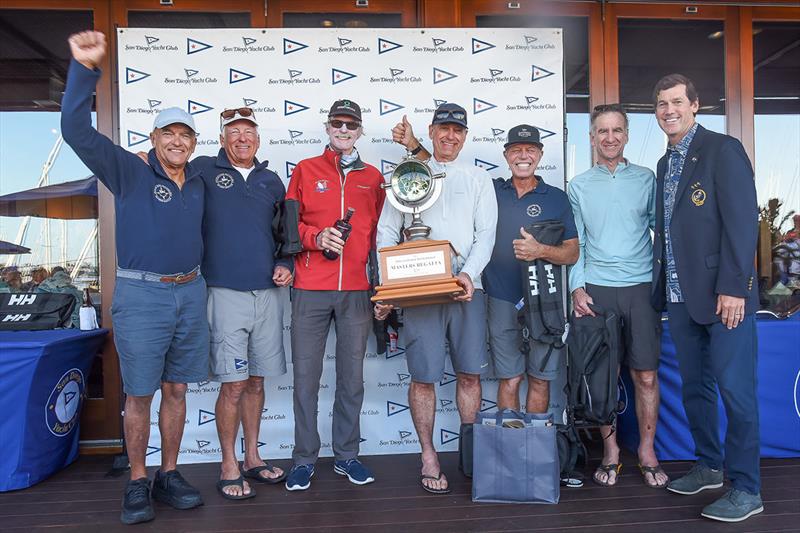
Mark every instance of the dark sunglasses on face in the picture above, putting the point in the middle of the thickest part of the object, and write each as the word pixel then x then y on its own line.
pixel 458 115
pixel 242 112
pixel 337 124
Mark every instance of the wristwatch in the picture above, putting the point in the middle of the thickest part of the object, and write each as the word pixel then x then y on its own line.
pixel 416 150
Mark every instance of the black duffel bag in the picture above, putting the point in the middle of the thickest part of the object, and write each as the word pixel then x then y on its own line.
pixel 34 311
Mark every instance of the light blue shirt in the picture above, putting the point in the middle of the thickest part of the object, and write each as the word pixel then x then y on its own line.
pixel 614 214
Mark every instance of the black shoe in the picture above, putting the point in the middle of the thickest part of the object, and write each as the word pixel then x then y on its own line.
pixel 172 489
pixel 136 504
pixel 465 450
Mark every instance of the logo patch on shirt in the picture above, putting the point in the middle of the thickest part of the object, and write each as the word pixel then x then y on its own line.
pixel 534 210
pixel 698 197
pixel 321 186
pixel 162 193
pixel 224 181
pixel 241 365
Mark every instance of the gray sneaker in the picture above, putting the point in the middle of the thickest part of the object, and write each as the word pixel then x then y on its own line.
pixel 700 477
pixel 735 506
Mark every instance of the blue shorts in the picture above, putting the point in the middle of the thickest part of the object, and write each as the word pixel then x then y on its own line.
pixel 161 333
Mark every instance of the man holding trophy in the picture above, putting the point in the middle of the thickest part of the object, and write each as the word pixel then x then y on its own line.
pixel 465 214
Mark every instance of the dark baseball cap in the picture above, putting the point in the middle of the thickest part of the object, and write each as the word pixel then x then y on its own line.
pixel 450 113
pixel 345 107
pixel 523 134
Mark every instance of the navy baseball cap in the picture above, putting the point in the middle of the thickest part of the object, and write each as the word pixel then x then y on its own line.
pixel 174 115
pixel 345 107
pixel 450 113
pixel 524 134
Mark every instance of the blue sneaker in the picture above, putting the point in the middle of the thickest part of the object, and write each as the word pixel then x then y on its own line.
pixel 735 506
pixel 299 477
pixel 355 471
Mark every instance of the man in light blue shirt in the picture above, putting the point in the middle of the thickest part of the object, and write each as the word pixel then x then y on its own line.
pixel 614 208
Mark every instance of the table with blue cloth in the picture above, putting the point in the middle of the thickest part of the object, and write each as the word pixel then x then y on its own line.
pixel 42 387
pixel 778 396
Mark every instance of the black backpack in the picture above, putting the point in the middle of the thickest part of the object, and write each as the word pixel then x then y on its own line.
pixel 595 351
pixel 33 311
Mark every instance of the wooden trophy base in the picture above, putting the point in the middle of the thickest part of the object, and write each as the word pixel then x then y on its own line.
pixel 417 273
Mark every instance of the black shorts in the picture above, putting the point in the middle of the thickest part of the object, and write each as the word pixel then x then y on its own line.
pixel 641 324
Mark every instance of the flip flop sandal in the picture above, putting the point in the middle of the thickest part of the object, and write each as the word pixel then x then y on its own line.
pixel 238 482
pixel 255 474
pixel 607 469
pixel 653 470
pixel 422 479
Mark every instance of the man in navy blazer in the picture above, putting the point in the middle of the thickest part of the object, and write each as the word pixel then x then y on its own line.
pixel 703 272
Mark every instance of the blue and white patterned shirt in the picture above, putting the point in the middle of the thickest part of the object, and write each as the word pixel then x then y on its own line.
pixel 677 157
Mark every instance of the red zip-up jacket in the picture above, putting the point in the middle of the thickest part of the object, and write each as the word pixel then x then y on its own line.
pixel 324 194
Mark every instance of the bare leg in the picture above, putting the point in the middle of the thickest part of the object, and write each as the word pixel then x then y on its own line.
pixel 227 418
pixel 252 404
pixel 137 432
pixel 647 398
pixel 468 396
pixel 171 421
pixel 422 400
pixel 508 393
pixel 538 399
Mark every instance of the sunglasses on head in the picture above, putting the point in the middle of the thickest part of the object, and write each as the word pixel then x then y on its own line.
pixel 457 115
pixel 242 112
pixel 337 124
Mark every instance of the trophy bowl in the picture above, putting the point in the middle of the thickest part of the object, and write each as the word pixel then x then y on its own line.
pixel 413 188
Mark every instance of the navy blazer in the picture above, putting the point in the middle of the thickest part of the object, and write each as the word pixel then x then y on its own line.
pixel 714 227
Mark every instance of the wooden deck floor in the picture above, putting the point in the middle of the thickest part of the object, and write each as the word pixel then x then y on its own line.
pixel 81 499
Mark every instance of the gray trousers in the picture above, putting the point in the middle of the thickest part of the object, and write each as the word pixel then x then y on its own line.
pixel 312 312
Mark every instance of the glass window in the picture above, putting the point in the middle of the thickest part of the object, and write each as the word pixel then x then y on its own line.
pixel 187 19
pixel 652 48
pixel 776 80
pixel 342 20
pixel 576 78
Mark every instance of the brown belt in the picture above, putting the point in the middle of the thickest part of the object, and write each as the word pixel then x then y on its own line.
pixel 180 278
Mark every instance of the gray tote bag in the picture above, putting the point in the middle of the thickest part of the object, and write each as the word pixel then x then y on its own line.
pixel 515 458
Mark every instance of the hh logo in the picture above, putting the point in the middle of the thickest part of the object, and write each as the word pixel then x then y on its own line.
pixel 16 318
pixel 393 408
pixel 21 299
pixel 534 281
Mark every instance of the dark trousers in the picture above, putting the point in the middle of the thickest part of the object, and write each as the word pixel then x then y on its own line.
pixel 711 356
pixel 312 312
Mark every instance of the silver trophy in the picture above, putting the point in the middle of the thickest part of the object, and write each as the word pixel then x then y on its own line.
pixel 413 188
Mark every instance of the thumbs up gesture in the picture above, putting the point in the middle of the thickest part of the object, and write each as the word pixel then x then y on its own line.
pixel 403 134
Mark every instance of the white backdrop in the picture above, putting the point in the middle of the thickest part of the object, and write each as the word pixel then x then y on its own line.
pixel 290 77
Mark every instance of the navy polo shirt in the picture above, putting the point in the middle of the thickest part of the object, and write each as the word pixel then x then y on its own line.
pixel 502 277
pixel 237 227
pixel 158 224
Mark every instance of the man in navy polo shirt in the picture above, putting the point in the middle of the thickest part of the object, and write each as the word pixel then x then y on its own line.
pixel 159 305
pixel 245 309
pixel 522 200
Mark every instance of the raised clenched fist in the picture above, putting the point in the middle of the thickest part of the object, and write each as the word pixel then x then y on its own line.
pixel 88 48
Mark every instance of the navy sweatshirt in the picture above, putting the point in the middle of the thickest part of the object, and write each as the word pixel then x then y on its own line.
pixel 158 225
pixel 237 226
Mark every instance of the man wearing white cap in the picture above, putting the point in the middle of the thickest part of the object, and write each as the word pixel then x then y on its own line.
pixel 159 305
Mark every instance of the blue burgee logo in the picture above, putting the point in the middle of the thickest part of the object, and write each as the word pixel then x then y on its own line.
pixel 153 103
pixel 151 40
pixel 205 417
pixel 248 41
pixel 134 138
pixel 387 167
pixel 195 108
pixel 338 76
pixel 531 99
pixel 362 439
pixel 447 436
pixel 289 169
pixel 445 403
pixel 529 39
pixel 402 377
pixel 293 134
pixel 398 351
pixel 487 404
pixel 190 72
pixel 447 379
pixel 395 72
pixel 385 45
pixel 485 165
pixel 259 444
pixel 479 46
pixel 544 134
pixel 404 434
pixel 539 73
pixel 393 408
pixel 440 75
pixel 497 132
pixel 61 413
pixel 387 107
pixel 479 106
pixel 193 46
pixel 437 102
pixel 249 102
pixel 437 42
pixel 235 76
pixel 203 383
pixel 152 449
pixel 202 443
pixel 132 75
pixel 294 73
pixel 344 42
pixel 240 364
pixel 290 108
pixel 494 72
pixel 290 46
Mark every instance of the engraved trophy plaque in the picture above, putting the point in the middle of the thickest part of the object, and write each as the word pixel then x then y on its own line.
pixel 418 271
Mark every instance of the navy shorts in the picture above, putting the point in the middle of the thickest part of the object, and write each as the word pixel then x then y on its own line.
pixel 161 333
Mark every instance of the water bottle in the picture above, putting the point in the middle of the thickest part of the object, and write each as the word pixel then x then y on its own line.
pixel 344 227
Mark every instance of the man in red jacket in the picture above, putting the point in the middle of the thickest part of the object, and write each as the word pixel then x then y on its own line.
pixel 335 289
